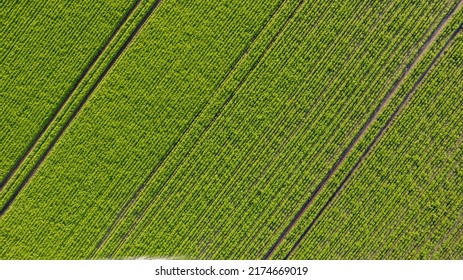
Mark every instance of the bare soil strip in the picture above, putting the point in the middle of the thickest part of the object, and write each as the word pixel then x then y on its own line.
pixel 154 171
pixel 383 130
pixel 83 101
pixel 67 98
pixel 434 35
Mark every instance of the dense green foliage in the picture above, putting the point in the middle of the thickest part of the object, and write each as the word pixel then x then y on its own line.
pixel 127 125
pixel 201 131
pixel 44 48
pixel 75 100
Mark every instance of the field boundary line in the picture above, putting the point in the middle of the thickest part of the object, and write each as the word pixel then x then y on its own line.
pixel 100 78
pixel 373 117
pixel 231 70
pixel 68 96
pixel 380 134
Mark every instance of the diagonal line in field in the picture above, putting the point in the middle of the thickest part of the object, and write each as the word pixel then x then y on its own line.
pixel 373 117
pixel 83 101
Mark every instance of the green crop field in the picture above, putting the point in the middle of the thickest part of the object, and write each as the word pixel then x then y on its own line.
pixel 267 129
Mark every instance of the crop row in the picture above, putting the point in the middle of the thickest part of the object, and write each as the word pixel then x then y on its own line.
pixel 211 109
